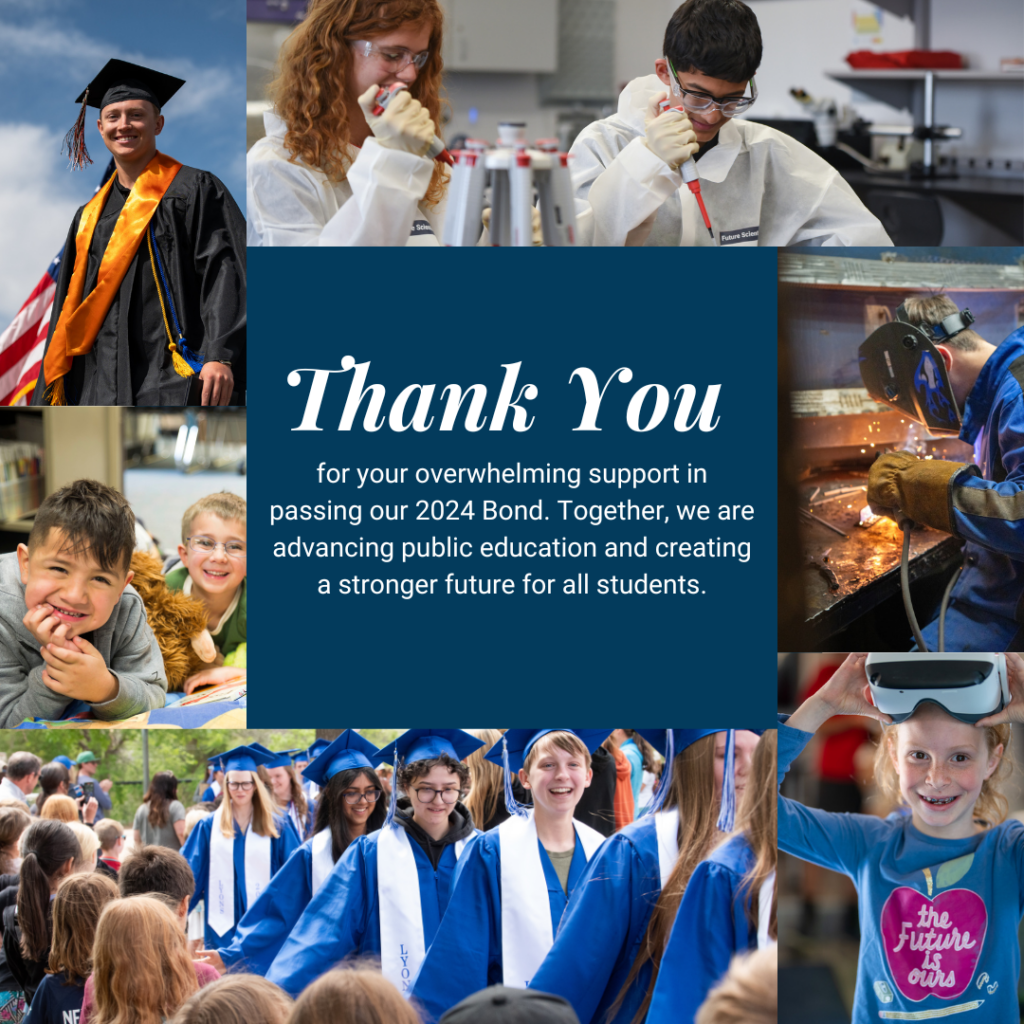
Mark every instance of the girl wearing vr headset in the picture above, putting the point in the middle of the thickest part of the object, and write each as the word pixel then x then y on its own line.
pixel 940 881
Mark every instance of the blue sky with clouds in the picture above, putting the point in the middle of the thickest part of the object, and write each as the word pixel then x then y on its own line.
pixel 49 51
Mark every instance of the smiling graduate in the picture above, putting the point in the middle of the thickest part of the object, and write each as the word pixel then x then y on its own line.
pixel 351 805
pixel 601 959
pixel 387 894
pixel 236 851
pixel 513 884
pixel 150 300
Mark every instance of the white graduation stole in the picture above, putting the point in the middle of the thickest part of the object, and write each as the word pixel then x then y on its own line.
pixel 323 858
pixel 221 889
pixel 300 826
pixel 764 911
pixel 526 929
pixel 402 943
pixel 666 824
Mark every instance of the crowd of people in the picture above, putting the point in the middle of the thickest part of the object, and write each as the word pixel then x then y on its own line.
pixel 620 876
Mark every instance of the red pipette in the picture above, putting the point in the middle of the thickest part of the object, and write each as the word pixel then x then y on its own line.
pixel 437 149
pixel 689 173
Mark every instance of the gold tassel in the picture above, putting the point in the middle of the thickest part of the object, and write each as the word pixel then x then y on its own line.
pixel 180 366
pixel 57 392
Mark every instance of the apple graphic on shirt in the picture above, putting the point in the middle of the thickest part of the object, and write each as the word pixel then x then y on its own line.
pixel 932 946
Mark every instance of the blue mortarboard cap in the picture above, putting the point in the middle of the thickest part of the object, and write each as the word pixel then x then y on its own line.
pixel 680 738
pixel 349 750
pixel 673 741
pixel 276 758
pixel 242 759
pixel 521 741
pixel 282 758
pixel 64 760
pixel 511 750
pixel 423 744
pixel 314 750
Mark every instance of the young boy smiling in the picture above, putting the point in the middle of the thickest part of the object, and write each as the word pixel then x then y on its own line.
pixel 71 627
pixel 212 570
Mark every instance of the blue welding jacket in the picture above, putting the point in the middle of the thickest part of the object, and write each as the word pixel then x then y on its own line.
pixel 986 612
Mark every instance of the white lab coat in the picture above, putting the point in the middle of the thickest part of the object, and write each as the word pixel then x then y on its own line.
pixel 378 203
pixel 760 187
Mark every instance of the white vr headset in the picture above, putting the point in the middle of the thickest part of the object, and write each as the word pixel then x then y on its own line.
pixel 967 686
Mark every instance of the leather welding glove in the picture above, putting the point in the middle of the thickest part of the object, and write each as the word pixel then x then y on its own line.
pixel 404 125
pixel 670 136
pixel 920 488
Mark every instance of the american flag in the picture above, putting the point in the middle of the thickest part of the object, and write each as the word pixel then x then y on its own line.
pixel 22 344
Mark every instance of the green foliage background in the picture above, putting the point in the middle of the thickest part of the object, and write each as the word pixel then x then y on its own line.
pixel 182 751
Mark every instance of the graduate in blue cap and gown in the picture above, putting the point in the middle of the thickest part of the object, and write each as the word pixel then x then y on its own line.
pixel 388 893
pixel 285 789
pixel 237 850
pixel 309 787
pixel 600 961
pixel 351 804
pixel 216 780
pixel 513 884
pixel 728 905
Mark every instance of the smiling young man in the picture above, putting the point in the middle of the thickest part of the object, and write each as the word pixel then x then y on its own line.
pixel 71 627
pixel 515 881
pixel 150 301
pixel 760 187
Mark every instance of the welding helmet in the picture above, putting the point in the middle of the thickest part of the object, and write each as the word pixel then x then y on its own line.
pixel 967 686
pixel 902 368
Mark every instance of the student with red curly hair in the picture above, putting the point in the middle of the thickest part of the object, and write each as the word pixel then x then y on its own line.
pixel 329 172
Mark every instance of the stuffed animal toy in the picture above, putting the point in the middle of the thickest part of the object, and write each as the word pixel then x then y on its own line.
pixel 178 622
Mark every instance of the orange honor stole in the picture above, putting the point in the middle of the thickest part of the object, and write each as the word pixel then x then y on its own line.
pixel 80 321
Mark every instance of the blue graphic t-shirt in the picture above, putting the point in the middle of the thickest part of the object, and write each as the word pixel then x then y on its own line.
pixel 56 1002
pixel 938 917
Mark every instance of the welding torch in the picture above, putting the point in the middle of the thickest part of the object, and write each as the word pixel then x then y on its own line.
pixel 385 95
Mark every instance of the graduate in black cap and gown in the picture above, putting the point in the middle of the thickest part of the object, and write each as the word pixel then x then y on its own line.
pixel 150 300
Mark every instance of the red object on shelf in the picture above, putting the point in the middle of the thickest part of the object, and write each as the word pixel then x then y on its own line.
pixel 905 60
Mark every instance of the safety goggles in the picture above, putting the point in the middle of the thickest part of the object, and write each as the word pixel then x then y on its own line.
pixel 699 102
pixel 395 58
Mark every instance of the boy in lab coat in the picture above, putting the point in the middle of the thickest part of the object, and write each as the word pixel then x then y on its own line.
pixel 760 187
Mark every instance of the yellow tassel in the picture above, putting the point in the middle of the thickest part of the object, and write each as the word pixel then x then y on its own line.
pixel 180 366
pixel 57 392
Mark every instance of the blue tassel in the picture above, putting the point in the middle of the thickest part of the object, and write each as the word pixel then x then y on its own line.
pixel 727 814
pixel 511 804
pixel 666 775
pixel 393 802
pixel 190 357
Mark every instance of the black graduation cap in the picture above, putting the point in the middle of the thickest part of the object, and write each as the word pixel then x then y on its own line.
pixel 119 80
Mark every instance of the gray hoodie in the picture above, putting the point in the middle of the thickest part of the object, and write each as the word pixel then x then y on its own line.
pixel 125 641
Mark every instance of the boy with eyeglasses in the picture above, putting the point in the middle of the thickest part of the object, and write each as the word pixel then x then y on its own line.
pixel 212 570
pixel 73 632
pixel 388 892
pixel 760 187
